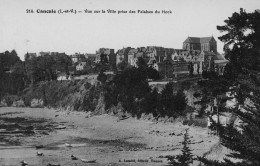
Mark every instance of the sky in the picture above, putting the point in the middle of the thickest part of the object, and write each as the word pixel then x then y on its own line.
pixel 87 32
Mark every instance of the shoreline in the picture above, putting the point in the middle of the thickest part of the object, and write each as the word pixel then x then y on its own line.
pixel 104 137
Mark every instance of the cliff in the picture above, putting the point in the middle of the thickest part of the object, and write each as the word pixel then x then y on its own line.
pixel 78 95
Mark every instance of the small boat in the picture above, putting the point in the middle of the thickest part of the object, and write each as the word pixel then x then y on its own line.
pixel 39 146
pixel 68 145
pixel 60 127
pixel 88 161
pixel 53 164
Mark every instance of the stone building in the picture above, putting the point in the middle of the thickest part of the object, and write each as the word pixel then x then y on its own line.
pixel 81 66
pixel 153 62
pixel 42 53
pixel 197 53
pixel 219 64
pixel 122 55
pixel 132 57
pixel 109 53
pixel 91 58
pixel 165 67
pixel 202 44
pixel 154 51
pixel 78 57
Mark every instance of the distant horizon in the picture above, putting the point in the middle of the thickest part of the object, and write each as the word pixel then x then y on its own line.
pixel 114 48
pixel 108 48
pixel 86 33
pixel 94 52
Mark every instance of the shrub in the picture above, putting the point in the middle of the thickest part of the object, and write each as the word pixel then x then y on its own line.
pixel 186 157
pixel 102 77
pixel 10 99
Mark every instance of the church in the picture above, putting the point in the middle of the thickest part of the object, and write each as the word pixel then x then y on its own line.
pixel 202 44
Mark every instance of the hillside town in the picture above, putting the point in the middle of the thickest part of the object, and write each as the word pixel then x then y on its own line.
pixel 198 54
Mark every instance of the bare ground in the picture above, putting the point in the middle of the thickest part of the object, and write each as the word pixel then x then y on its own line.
pixel 101 138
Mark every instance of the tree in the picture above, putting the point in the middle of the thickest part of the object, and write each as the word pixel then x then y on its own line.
pixel 18 75
pixel 149 103
pixel 242 47
pixel 11 73
pixel 103 59
pixel 210 89
pixel 122 65
pixel 152 73
pixel 1 76
pixel 186 157
pixel 8 59
pixel 171 104
pixel 241 41
pixel 128 87
pixel 102 77
pixel 191 69
pixel 167 100
pixel 141 63
pixel 243 140
pixel 180 102
pixel 62 62
pixel 44 68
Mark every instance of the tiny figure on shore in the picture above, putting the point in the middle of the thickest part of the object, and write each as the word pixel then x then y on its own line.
pixel 23 163
pixel 73 157
pixel 39 154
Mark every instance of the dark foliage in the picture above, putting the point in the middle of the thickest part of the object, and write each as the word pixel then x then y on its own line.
pixel 180 102
pixel 167 100
pixel 242 47
pixel 122 66
pixel 131 89
pixel 128 86
pixel 102 66
pixel 150 103
pixel 242 42
pixel 211 89
pixel 43 68
pixel 141 63
pixel 103 59
pixel 152 73
pixel 102 77
pixel 12 74
pixel 209 75
pixel 186 157
pixel 191 69
pixel 245 142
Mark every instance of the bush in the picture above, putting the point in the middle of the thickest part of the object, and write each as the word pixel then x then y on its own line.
pixel 209 75
pixel 152 73
pixel 131 89
pixel 172 105
pixel 102 77
pixel 10 99
pixel 128 87
pixel 27 101
pixel 186 157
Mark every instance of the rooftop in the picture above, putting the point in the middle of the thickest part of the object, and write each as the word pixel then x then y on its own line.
pixel 198 40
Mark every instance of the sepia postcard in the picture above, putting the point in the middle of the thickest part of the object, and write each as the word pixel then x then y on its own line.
pixel 129 82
